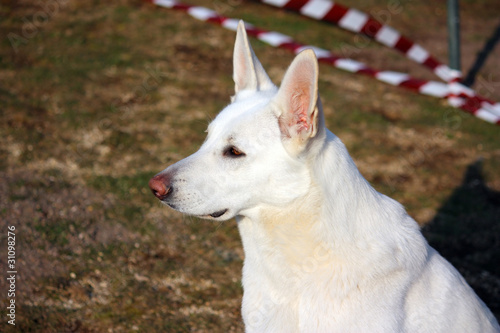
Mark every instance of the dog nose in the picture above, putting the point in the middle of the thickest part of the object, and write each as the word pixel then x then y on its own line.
pixel 160 186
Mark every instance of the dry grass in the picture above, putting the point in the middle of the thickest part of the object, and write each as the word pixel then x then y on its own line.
pixel 101 96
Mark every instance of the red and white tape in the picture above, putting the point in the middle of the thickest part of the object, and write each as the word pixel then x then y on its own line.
pixel 356 21
pixel 458 95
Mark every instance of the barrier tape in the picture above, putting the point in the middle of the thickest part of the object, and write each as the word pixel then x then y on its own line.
pixel 458 95
pixel 356 21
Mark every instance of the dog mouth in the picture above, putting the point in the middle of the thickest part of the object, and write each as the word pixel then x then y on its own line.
pixel 214 215
pixel 218 213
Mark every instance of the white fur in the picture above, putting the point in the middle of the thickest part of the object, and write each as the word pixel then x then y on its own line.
pixel 324 251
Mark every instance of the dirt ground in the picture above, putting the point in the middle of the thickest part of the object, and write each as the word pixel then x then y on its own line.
pixel 96 97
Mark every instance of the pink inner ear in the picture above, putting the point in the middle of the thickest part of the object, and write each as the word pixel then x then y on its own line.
pixel 299 105
pixel 243 75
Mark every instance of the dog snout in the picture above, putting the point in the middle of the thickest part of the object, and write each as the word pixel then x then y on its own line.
pixel 160 186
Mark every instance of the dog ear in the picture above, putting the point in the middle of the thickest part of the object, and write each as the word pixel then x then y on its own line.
pixel 248 73
pixel 297 99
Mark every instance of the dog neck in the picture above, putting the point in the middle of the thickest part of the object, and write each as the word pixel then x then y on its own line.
pixel 341 216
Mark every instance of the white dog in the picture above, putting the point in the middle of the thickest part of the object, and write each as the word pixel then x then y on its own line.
pixel 324 251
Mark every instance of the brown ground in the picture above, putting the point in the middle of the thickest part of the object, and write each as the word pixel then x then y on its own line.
pixel 101 96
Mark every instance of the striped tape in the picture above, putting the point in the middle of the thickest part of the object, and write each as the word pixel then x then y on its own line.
pixel 458 95
pixel 356 21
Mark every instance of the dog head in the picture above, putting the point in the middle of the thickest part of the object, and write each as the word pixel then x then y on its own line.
pixel 258 149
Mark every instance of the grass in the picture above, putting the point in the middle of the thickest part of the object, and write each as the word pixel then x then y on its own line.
pixel 103 96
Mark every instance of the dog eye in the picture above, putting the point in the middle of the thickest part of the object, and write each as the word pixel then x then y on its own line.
pixel 233 152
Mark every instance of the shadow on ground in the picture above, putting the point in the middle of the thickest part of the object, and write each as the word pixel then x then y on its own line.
pixel 466 231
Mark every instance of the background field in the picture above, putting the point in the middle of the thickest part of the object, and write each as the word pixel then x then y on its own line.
pixel 98 96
